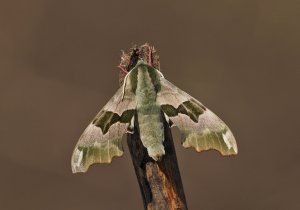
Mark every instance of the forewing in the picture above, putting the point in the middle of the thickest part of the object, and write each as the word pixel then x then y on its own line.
pixel 200 127
pixel 101 140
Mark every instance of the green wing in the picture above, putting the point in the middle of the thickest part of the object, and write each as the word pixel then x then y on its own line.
pixel 201 128
pixel 101 140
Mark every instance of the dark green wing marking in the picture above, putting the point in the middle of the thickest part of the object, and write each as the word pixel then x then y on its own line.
pixel 189 108
pixel 105 119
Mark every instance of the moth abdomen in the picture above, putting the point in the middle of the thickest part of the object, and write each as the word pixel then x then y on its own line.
pixel 156 151
pixel 152 133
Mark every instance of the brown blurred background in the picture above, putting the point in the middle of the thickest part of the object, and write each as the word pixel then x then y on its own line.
pixel 58 63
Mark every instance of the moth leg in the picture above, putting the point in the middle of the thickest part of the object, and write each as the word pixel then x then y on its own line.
pixel 168 120
pixel 124 86
pixel 130 128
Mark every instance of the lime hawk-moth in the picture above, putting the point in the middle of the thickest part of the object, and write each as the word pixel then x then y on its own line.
pixel 145 93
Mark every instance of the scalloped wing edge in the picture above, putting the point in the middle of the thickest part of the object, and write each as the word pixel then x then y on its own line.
pixel 82 160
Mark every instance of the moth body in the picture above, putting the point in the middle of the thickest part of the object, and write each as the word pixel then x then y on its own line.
pixel 148 111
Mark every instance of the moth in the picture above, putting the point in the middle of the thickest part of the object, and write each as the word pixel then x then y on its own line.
pixel 147 93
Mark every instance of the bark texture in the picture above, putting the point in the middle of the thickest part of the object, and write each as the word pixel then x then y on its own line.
pixel 160 182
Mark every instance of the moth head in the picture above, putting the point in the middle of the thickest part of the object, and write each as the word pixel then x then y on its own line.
pixel 130 58
pixel 134 57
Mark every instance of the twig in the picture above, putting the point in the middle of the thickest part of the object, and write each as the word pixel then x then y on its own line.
pixel 160 182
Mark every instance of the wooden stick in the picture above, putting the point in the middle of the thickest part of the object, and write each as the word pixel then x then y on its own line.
pixel 160 182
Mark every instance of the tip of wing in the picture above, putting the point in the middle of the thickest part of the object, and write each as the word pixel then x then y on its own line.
pixel 84 168
pixel 82 159
pixel 230 142
pixel 224 142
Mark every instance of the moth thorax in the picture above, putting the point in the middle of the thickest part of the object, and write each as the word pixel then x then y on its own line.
pixel 145 93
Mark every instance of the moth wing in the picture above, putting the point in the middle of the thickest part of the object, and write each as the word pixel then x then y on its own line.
pixel 200 127
pixel 101 140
